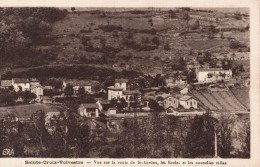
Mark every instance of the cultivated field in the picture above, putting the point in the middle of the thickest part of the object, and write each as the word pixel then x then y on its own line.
pixel 222 101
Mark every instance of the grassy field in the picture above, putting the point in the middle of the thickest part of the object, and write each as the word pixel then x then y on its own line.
pixel 205 44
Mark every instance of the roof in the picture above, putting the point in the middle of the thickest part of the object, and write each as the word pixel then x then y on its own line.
pixel 34 80
pixel 21 80
pixel 6 83
pixel 148 98
pixel 131 92
pixel 185 98
pixel 164 95
pixel 102 101
pixel 78 83
pixel 37 86
pixel 212 69
pixel 114 88
pixel 90 105
pixel 121 80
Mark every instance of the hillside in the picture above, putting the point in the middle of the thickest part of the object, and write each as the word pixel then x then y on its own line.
pixel 140 40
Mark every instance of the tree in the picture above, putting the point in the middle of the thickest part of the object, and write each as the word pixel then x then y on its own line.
pixel 153 105
pixel 83 140
pixel 8 97
pixel 172 14
pixel 207 56
pixel 200 137
pixel 212 31
pixel 73 9
pixel 224 128
pixel 38 119
pixel 10 135
pixel 27 95
pixel 69 91
pixel 167 47
pixel 81 92
pixel 155 40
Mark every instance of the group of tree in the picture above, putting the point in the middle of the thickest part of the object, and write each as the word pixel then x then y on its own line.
pixel 68 133
pixel 9 96
pixel 21 28
pixel 170 136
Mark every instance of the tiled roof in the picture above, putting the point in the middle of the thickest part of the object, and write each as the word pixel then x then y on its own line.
pixel 34 80
pixel 114 88
pixel 185 98
pixel 131 92
pixel 78 83
pixel 36 86
pixel 121 80
pixel 21 80
pixel 90 105
pixel 6 83
pixel 212 69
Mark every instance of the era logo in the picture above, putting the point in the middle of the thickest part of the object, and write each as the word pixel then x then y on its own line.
pixel 8 152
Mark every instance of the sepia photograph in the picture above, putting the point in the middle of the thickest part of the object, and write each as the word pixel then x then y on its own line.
pixel 125 82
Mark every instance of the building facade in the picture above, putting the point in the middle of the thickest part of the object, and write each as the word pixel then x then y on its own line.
pixel 212 75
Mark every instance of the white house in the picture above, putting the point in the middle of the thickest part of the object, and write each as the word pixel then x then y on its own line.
pixel 38 90
pixel 22 84
pixel 175 101
pixel 114 92
pixel 77 84
pixel 5 84
pixel 117 90
pixel 90 110
pixel 171 101
pixel 121 83
pixel 34 82
pixel 213 74
pixel 188 102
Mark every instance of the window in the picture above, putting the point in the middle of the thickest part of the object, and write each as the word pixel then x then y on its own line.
pixel 210 75
pixel 165 102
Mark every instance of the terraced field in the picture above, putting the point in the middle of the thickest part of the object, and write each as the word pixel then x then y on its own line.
pixel 242 96
pixel 224 101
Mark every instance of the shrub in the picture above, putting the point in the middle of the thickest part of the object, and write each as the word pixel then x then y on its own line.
pixel 110 28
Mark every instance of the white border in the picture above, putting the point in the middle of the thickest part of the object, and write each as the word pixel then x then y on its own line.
pixel 254 63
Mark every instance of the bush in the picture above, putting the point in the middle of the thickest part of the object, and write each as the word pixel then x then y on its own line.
pixel 167 47
pixel 155 40
pixel 110 28
pixel 235 44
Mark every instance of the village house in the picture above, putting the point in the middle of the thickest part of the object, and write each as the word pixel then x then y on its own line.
pixel 171 101
pixel 38 90
pixel 6 84
pixel 21 84
pixel 212 74
pixel 172 82
pixel 193 65
pixel 239 56
pixel 90 110
pixel 117 90
pixel 34 82
pixel 188 102
pixel 177 100
pixel 77 84
pixel 131 95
